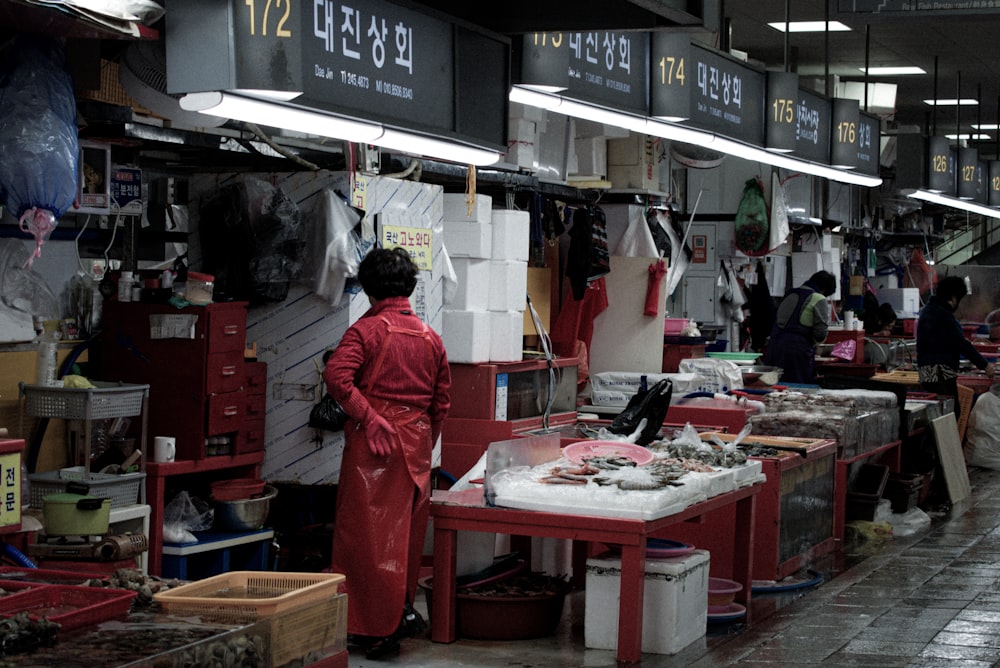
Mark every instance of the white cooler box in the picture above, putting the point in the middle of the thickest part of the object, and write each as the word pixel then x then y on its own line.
pixel 675 602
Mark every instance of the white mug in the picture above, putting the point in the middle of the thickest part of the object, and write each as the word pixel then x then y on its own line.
pixel 164 448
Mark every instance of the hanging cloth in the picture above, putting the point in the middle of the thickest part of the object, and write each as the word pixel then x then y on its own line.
pixel 762 310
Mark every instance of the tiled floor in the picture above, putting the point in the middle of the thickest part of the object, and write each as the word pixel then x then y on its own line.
pixel 931 599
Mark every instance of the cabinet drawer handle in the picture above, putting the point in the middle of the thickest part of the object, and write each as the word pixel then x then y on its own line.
pixel 230 330
pixel 229 370
pixel 230 411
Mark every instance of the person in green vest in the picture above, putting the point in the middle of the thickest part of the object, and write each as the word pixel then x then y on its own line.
pixel 802 321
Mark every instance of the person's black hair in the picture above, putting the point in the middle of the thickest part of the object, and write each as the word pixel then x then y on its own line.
pixel 951 286
pixel 886 315
pixel 388 272
pixel 825 282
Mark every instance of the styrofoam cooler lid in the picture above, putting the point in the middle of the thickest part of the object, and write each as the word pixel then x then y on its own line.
pixel 610 563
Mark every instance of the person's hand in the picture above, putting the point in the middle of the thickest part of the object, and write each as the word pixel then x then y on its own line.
pixel 381 436
pixel 990 370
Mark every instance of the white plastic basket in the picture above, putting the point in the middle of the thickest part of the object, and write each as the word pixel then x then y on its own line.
pixel 122 489
pixel 107 400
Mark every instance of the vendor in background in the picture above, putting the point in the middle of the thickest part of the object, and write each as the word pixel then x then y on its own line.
pixel 941 342
pixel 802 321
pixel 879 324
pixel 882 323
pixel 390 374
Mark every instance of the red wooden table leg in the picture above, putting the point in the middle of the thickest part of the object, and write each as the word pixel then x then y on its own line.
pixel 632 583
pixel 443 625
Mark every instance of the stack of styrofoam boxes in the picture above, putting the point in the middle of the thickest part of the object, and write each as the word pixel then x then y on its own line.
pixel 483 322
pixel 589 160
pixel 524 123
pixel 633 162
pixel 805 265
pixel 674 602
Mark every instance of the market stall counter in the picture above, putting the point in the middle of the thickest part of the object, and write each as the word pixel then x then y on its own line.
pixel 466 510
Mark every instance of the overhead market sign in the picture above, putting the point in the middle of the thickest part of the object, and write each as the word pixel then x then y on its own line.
pixel 374 60
pixel 936 7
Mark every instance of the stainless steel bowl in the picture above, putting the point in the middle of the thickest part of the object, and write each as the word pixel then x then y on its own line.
pixel 761 375
pixel 244 514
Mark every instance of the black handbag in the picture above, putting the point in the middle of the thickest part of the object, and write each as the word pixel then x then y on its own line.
pixel 327 415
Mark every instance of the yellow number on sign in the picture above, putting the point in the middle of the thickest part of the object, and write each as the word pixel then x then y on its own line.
pixel 939 163
pixel 847 133
pixel 784 110
pixel 996 183
pixel 674 71
pixel 253 21
pixel 281 31
pixel 969 173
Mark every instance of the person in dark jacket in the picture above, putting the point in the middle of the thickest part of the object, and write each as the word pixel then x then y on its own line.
pixel 802 321
pixel 941 342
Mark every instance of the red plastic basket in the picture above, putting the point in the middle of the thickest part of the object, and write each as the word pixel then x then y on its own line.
pixel 46 575
pixel 72 607
pixel 237 489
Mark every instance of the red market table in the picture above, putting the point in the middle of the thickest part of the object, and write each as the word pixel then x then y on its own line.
pixel 465 511
pixel 890 453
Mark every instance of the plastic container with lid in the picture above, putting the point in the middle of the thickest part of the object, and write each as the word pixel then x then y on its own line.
pixel 199 287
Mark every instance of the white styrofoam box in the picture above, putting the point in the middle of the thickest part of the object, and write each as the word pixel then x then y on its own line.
pixel 883 281
pixel 591 156
pixel 804 265
pixel 674 605
pixel 831 263
pixel 511 235
pixel 508 286
pixel 521 145
pixel 466 336
pixel 518 110
pixel 816 242
pixel 466 239
pixel 456 208
pixel 903 300
pixel 472 293
pixel 506 336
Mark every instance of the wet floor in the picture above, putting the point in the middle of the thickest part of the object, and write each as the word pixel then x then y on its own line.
pixel 928 599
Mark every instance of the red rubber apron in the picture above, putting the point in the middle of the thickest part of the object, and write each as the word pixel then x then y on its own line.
pixel 383 505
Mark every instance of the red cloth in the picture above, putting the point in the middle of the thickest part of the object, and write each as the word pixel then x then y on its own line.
pixel 407 376
pixel 657 270
pixel 575 321
pixel 383 502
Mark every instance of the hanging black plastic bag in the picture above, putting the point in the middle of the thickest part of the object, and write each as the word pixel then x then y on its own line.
pixel 39 150
pixel 651 404
pixel 327 415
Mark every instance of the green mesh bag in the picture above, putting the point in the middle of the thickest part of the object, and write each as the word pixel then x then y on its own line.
pixel 751 218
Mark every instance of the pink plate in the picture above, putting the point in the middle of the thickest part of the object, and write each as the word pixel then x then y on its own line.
pixel 577 452
pixel 721 613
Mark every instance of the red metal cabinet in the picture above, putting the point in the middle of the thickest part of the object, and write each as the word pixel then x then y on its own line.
pixel 192 360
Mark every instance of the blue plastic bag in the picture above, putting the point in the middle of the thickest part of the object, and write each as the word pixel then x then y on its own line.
pixel 39 149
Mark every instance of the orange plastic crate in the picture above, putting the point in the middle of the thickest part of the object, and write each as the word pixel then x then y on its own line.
pixel 70 606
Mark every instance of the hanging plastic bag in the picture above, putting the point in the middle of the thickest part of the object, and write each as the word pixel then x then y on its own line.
pixel 328 415
pixel 334 255
pixel 751 218
pixel 39 150
pixel 779 228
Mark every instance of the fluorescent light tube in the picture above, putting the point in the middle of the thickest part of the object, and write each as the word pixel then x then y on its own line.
pixel 893 71
pixel 250 110
pixel 809 26
pixel 410 142
pixel 953 202
pixel 952 102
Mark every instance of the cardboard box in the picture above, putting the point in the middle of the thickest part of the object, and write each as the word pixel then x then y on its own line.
pixel 466 336
pixel 633 162
pixel 456 208
pixel 674 606
pixel 508 286
pixel 467 239
pixel 472 293
pixel 511 235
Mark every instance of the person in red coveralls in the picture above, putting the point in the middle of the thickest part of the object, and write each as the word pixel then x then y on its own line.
pixel 390 374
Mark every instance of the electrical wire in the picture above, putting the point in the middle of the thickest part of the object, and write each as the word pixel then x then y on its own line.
pixel 546 343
